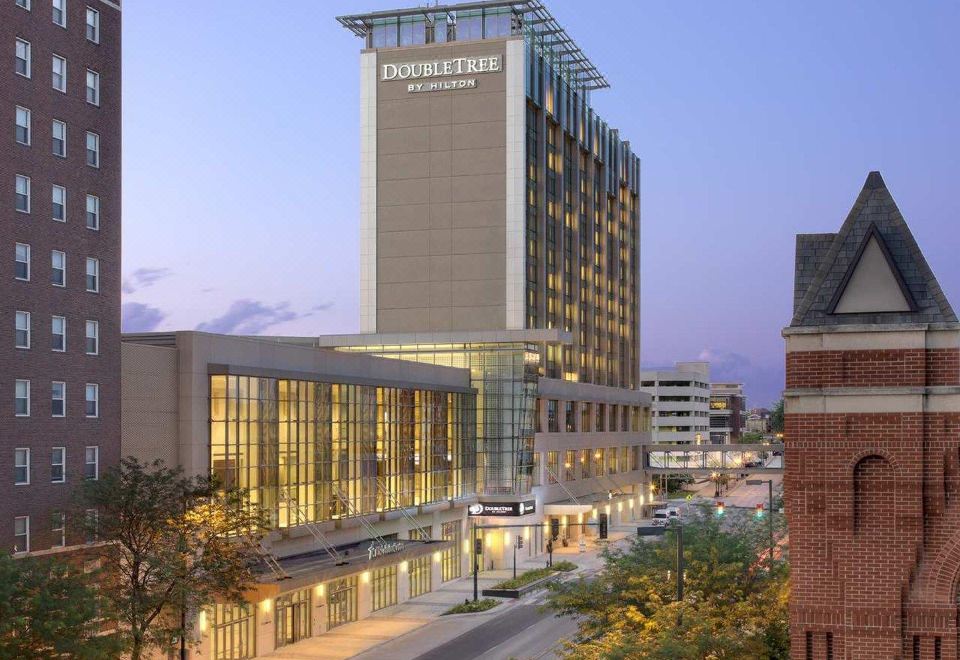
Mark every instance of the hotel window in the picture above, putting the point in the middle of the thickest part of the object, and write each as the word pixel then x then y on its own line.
pixel 58 333
pixel 92 332
pixel 92 395
pixel 58 463
pixel 22 193
pixel 553 459
pixel 91 463
pixel 22 130
pixel 58 268
pixel 23 58
pixel 384 33
pixel 22 330
pixel 23 4
pixel 93 275
pixel 22 262
pixel 584 460
pixel 58 73
pixel 553 424
pixel 59 138
pixel 234 633
pixel 570 465
pixel 93 25
pixel 93 212
pixel 450 560
pixel 60 12
pixel 58 399
pixel 601 422
pixel 613 417
pixel 612 459
pixel 624 458
pixel 569 416
pixel 586 416
pixel 21 534
pixel 21 396
pixel 421 576
pixel 21 466
pixel 598 462
pixel 469 25
pixel 93 149
pixel 624 418
pixel 58 529
pixel 58 200
pixel 93 87
pixel 383 589
pixel 413 31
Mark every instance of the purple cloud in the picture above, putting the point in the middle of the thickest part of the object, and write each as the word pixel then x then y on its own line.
pixel 141 278
pixel 137 317
pixel 251 317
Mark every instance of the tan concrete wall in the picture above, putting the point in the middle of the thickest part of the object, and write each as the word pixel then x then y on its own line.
pixel 441 197
pixel 148 409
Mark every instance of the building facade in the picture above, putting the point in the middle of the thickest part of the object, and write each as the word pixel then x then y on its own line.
pixel 60 278
pixel 728 412
pixel 872 435
pixel 681 402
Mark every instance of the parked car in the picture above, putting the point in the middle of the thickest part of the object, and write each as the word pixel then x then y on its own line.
pixel 660 518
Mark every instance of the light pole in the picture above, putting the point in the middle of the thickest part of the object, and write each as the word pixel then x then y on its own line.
pixel 769 482
pixel 477 547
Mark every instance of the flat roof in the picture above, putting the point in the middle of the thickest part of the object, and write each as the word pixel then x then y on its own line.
pixel 553 39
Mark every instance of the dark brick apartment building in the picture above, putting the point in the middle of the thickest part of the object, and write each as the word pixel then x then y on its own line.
pixel 59 261
pixel 872 433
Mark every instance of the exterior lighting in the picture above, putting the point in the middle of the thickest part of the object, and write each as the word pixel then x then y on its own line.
pixel 203 621
pixel 365 577
pixel 506 538
pixel 489 540
pixel 320 589
pixel 526 533
pixel 265 606
pixel 594 513
pixel 436 557
pixel 607 509
pixel 403 566
pixel 631 504
pixel 620 506
pixel 580 518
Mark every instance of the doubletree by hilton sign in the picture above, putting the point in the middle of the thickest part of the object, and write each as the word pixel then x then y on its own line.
pixel 457 66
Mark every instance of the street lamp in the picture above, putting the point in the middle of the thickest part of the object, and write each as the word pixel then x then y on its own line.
pixel 769 482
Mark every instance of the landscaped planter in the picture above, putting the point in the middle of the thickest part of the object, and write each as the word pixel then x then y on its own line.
pixel 525 589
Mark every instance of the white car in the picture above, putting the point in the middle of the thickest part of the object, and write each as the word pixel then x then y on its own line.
pixel 660 518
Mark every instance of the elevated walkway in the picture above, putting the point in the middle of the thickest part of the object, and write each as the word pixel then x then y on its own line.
pixel 705 460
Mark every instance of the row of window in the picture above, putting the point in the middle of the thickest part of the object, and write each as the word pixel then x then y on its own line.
pixel 23 334
pixel 58 399
pixel 23 55
pixel 58 268
pixel 59 17
pixel 592 417
pixel 23 134
pixel 58 202
pixel 58 530
pixel 58 465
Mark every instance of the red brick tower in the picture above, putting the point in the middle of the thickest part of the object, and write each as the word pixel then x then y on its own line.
pixel 872 438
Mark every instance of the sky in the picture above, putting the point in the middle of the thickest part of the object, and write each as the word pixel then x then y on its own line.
pixel 754 121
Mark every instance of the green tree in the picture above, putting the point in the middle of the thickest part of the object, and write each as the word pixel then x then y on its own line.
pixel 50 609
pixel 734 606
pixel 168 544
pixel 776 417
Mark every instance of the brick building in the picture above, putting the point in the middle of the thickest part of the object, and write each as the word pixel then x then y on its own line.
pixel 872 432
pixel 60 266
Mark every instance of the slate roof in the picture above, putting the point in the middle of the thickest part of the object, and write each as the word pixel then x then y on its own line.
pixel 823 264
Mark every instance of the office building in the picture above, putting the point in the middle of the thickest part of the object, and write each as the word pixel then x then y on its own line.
pixel 728 412
pixel 60 271
pixel 681 402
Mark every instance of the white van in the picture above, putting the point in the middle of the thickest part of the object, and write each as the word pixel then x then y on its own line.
pixel 660 518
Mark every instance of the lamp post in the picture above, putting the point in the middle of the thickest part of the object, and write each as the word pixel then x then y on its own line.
pixel 769 482
pixel 477 548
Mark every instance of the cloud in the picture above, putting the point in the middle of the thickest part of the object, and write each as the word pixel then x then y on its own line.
pixel 137 317
pixel 251 317
pixel 762 383
pixel 141 278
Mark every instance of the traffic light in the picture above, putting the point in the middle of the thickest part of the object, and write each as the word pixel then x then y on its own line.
pixel 519 541
pixel 478 546
pixel 759 511
pixel 719 508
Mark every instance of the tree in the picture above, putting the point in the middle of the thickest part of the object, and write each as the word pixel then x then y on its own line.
pixel 169 544
pixel 50 609
pixel 734 605
pixel 776 417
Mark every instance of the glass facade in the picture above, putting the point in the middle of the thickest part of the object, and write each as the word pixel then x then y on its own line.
pixel 293 617
pixel 311 451
pixel 383 590
pixel 341 601
pixel 421 576
pixel 451 565
pixel 233 632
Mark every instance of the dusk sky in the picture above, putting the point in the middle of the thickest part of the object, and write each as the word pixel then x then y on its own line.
pixel 755 121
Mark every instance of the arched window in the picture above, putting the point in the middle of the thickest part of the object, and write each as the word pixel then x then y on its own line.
pixel 873 497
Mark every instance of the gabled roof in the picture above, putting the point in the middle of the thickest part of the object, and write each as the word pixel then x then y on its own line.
pixel 871 271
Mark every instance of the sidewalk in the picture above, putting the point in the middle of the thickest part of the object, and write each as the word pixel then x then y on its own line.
pixel 387 633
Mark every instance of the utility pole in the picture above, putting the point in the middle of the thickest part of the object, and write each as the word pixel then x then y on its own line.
pixel 476 563
pixel 769 482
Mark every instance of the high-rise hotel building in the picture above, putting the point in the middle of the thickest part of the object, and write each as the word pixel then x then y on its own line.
pixel 60 265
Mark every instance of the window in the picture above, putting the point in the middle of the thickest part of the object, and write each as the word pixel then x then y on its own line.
pixel 421 576
pixel 93 149
pixel 22 189
pixel 93 275
pixel 93 25
pixel 91 463
pixel 21 466
pixel 234 631
pixel 23 4
pixel 552 460
pixel 60 12
pixel 58 336
pixel 58 529
pixel 93 212
pixel 21 534
pixel 23 58
pixel 384 587
pixel 553 424
pixel 22 262
pixel 59 138
pixel 21 395
pixel 91 525
pixel 93 87
pixel 58 463
pixel 58 265
pixel 451 558
pixel 58 73
pixel 92 334
pixel 93 400
pixel 58 399
pixel 22 130
pixel 58 198
pixel 569 419
pixel 22 332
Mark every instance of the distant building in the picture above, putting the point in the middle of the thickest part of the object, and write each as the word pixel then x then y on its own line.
pixel 681 402
pixel 728 417
pixel 758 421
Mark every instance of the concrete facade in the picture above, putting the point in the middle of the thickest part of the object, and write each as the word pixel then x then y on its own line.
pixel 681 402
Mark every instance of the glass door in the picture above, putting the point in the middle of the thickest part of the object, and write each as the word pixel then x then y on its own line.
pixel 293 617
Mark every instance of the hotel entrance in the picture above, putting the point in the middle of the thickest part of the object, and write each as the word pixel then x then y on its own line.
pixel 293 617
pixel 342 602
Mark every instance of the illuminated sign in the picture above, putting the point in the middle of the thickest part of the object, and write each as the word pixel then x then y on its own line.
pixel 381 549
pixel 502 508
pixel 718 405
pixel 457 66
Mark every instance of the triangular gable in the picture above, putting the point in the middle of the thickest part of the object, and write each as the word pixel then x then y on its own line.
pixel 872 283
